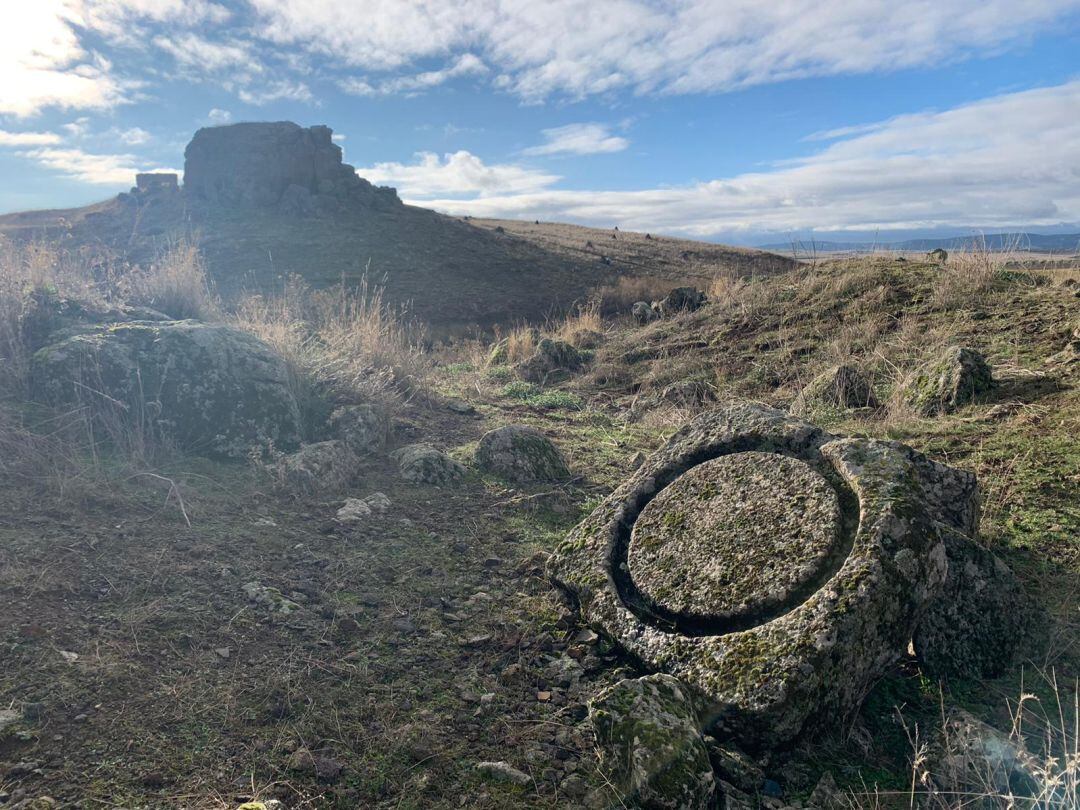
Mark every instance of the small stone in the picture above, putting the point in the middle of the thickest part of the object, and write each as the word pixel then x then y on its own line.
pixel 543 696
pixel 521 453
pixel 460 406
pixel 8 717
pixel 574 786
pixel 503 772
pixel 70 657
pixel 477 641
pixel 223 652
pixel 586 636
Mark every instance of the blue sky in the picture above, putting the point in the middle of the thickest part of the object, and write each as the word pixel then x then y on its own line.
pixel 721 119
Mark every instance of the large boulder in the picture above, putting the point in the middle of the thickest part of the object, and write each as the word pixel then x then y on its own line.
pixel 554 360
pixel 953 379
pixel 209 388
pixel 273 164
pixel 837 388
pixel 521 453
pixel 777 570
pixel 650 743
pixel 983 621
pixel 423 464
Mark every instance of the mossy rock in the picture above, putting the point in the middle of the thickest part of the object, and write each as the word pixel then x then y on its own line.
pixel 815 630
pixel 521 453
pixel 210 388
pixel 956 377
pixel 837 388
pixel 554 360
pixel 424 464
pixel 650 743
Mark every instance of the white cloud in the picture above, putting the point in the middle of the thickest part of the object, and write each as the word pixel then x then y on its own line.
pixel 583 47
pixel 136 136
pixel 112 170
pixel 28 138
pixel 197 53
pixel 994 163
pixel 219 116
pixel 457 173
pixel 578 139
pixel 42 63
pixel 466 65
pixel 275 91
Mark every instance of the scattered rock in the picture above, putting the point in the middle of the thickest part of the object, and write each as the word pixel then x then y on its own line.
pixel 363 428
pixel 650 743
pixel 270 598
pixel 970 757
pixel 826 795
pixel 423 464
pixel 733 766
pixel 305 761
pixel 503 772
pixel 521 453
pixel 460 406
pixel 8 717
pixel 681 299
pixel 692 394
pixel 956 377
pixel 554 360
pixel 328 465
pixel 210 388
pixel 939 255
pixel 357 510
pixel 223 652
pixel 837 388
pixel 644 313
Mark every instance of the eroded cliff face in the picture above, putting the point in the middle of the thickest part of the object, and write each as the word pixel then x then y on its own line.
pixel 270 164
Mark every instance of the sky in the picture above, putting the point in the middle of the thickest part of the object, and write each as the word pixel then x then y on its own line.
pixel 728 120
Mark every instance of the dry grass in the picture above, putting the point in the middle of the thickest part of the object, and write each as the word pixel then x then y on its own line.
pixel 583 320
pixel 342 345
pixel 616 299
pixel 176 283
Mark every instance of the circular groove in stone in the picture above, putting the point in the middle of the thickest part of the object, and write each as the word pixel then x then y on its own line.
pixel 738 536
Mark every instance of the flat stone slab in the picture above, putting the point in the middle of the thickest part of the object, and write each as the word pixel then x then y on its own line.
pixel 735 539
pixel 775 569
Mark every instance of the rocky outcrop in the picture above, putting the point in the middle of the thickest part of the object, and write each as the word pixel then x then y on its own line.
pixel 280 164
pixel 650 742
pixel 423 464
pixel 209 388
pixel 521 453
pixel 838 388
pixel 956 377
pixel 775 569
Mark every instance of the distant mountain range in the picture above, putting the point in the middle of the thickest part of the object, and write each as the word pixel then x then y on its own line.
pixel 1035 242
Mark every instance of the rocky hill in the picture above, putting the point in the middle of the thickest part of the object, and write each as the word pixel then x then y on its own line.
pixel 268 200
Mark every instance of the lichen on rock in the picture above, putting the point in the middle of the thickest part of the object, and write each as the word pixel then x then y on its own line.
pixel 808 632
pixel 837 388
pixel 422 463
pixel 521 453
pixel 650 742
pixel 953 379
pixel 209 388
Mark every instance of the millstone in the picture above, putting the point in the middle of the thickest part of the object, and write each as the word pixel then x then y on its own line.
pixel 737 539
pixel 776 570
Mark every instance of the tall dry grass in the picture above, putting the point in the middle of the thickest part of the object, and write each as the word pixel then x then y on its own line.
pixel 341 345
pixel 175 283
